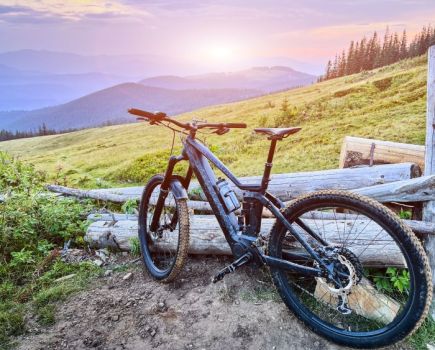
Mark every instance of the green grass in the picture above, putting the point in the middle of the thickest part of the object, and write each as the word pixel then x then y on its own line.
pixel 387 103
pixel 424 335
pixel 40 298
pixel 135 246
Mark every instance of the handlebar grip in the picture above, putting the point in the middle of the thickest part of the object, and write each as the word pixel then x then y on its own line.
pixel 144 115
pixel 235 125
pixel 140 113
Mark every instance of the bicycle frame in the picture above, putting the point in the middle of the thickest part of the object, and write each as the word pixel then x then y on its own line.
pixel 200 157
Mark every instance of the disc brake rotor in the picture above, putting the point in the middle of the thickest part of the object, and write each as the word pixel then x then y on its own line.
pixel 347 261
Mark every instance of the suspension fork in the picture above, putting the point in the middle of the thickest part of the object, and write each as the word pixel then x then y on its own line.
pixel 164 191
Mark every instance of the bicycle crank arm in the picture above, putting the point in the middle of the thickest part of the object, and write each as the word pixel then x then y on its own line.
pixel 244 259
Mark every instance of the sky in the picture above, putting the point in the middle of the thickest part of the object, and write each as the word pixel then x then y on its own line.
pixel 219 35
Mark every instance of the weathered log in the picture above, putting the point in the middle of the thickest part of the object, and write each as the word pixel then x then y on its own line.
pixel 365 300
pixel 206 237
pixel 362 151
pixel 102 195
pixel 116 196
pixel 289 186
pixel 419 227
pixel 413 190
pixel 285 186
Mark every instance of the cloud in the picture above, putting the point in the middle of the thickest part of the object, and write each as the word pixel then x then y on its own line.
pixel 22 14
pixel 34 11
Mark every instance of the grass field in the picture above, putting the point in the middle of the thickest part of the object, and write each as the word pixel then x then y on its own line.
pixel 387 103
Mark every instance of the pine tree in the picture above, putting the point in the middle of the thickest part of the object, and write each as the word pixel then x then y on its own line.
pixel 342 65
pixel 362 55
pixel 403 51
pixel 328 70
pixel 334 72
pixel 385 51
pixel 350 58
pixel 374 53
pixel 395 49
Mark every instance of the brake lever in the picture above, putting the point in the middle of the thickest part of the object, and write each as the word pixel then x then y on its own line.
pixel 221 131
pixel 142 119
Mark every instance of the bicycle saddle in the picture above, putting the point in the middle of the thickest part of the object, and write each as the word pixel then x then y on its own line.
pixel 277 133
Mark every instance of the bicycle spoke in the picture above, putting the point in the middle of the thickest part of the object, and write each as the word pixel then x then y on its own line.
pixel 356 234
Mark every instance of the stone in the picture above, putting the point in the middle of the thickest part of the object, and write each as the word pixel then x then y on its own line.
pixel 99 263
pixel 127 276
pixel 102 254
pixel 108 273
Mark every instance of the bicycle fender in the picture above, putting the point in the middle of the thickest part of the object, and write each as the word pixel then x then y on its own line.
pixel 178 189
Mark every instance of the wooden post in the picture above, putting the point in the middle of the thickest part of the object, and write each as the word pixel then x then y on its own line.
pixel 429 207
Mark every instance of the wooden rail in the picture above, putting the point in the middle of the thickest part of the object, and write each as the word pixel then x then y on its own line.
pixel 429 169
pixel 362 151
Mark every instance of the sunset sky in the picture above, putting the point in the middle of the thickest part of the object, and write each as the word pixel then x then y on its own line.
pixel 220 35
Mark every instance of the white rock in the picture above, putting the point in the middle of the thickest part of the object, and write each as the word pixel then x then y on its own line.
pixel 127 276
pixel 99 263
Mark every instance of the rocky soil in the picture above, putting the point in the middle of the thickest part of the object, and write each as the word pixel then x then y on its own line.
pixel 127 310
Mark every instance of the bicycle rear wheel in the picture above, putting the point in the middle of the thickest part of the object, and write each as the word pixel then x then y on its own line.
pixel 384 289
pixel 164 250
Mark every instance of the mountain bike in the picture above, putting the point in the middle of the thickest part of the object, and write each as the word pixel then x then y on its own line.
pixel 346 265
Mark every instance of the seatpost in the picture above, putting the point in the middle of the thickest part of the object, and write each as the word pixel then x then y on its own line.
pixel 268 166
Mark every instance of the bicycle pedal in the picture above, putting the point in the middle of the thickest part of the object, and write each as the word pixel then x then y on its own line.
pixel 245 258
pixel 221 274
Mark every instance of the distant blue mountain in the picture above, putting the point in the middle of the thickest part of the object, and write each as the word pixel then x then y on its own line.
pixel 111 105
pixel 27 90
pixel 266 79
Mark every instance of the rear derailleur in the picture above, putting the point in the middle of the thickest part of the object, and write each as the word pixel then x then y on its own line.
pixel 347 273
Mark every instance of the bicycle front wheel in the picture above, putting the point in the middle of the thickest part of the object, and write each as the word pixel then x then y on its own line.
pixel 164 250
pixel 384 287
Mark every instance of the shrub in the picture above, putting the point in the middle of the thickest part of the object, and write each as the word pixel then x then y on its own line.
pixel 11 321
pixel 287 117
pixel 383 84
pixel 33 221
pixel 130 206
pixel 345 92
pixel 263 121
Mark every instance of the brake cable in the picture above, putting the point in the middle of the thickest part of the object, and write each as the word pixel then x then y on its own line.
pixel 174 130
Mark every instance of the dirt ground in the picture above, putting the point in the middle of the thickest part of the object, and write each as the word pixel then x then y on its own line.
pixel 123 311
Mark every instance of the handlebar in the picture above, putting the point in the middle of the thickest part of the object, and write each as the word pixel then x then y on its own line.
pixel 160 116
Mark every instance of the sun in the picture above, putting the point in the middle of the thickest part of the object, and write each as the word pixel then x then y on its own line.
pixel 220 53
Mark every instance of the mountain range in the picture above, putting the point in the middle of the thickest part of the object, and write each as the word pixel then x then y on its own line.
pixel 72 91
pixel 265 79
pixel 27 90
pixel 110 106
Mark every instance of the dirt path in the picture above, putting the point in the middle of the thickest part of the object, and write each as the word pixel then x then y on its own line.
pixel 240 313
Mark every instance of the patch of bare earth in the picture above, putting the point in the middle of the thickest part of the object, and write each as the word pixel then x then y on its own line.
pixel 242 312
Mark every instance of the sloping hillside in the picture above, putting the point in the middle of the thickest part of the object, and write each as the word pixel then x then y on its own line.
pixel 111 104
pixel 388 103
